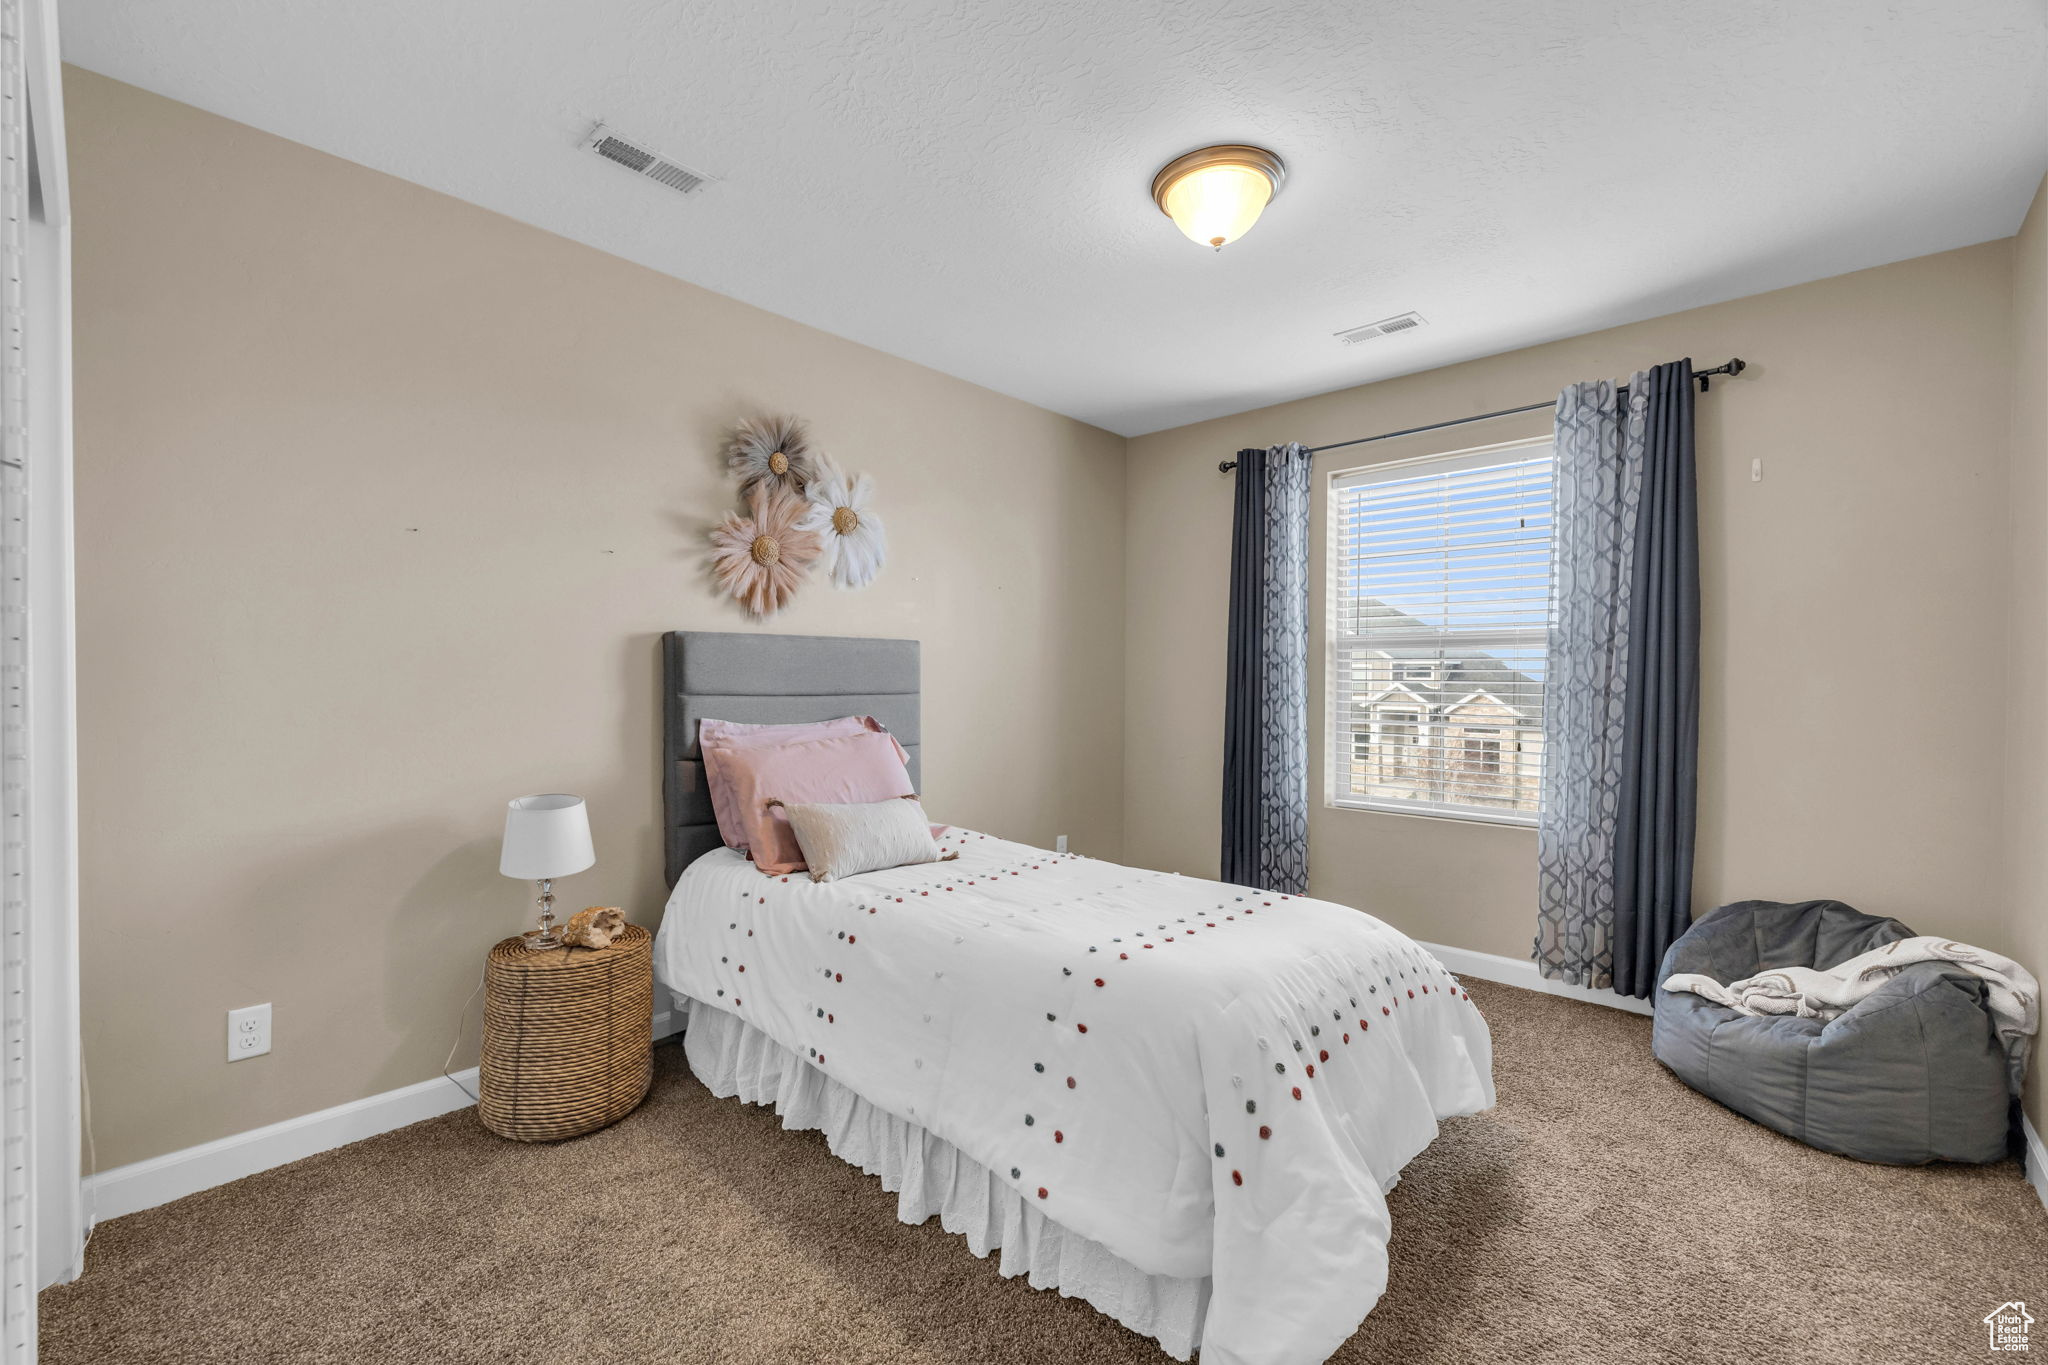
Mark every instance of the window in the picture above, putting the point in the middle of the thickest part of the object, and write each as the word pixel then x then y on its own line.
pixel 1481 755
pixel 1439 612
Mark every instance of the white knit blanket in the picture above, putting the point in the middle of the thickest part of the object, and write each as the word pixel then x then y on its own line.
pixel 2014 997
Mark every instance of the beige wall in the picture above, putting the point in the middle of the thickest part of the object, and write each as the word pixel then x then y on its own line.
pixel 2027 708
pixel 383 502
pixel 1855 625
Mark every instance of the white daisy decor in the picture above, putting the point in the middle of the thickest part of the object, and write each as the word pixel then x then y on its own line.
pixel 849 528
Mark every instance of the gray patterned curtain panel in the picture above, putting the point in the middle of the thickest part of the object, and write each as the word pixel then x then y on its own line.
pixel 1621 692
pixel 1265 709
pixel 1599 483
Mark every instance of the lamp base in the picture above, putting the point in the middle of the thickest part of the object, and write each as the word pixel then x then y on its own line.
pixel 545 936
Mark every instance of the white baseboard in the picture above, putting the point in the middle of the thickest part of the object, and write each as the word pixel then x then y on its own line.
pixel 2036 1159
pixel 160 1179
pixel 1514 972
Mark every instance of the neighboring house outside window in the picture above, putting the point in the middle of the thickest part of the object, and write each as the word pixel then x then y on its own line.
pixel 1398 732
pixel 1482 755
pixel 1440 575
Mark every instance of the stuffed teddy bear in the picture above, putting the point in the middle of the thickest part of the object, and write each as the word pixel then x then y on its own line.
pixel 597 927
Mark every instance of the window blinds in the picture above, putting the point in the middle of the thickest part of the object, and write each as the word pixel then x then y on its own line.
pixel 1439 623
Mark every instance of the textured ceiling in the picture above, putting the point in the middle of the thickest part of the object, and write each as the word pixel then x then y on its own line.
pixel 965 184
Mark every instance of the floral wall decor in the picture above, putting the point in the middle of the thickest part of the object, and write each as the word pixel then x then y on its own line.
pixel 761 559
pixel 772 452
pixel 802 510
pixel 849 528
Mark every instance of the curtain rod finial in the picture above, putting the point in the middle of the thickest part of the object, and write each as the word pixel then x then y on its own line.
pixel 1736 365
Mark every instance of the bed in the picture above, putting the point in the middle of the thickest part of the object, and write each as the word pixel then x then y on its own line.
pixel 1180 1100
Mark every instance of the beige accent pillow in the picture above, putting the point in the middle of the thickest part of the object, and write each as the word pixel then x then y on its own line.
pixel 845 839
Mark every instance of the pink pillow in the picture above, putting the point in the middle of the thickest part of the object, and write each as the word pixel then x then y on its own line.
pixel 844 768
pixel 710 732
pixel 714 735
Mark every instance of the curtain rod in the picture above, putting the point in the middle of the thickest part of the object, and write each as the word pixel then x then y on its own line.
pixel 1731 369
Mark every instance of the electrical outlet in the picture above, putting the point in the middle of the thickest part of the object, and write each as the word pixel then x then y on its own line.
pixel 248 1032
pixel 1059 845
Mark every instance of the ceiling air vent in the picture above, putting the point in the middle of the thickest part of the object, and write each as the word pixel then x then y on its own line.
pixel 1405 322
pixel 640 160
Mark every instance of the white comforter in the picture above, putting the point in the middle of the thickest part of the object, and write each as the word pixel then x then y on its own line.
pixel 1209 1081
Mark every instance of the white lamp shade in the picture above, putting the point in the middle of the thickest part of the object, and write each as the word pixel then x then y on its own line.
pixel 545 837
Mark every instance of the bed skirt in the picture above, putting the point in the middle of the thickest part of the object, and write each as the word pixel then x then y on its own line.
pixel 930 1176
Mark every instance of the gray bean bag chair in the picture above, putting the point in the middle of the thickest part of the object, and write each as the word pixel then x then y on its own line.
pixel 1913 1074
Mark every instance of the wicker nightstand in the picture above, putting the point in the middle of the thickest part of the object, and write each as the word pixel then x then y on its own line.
pixel 568 1036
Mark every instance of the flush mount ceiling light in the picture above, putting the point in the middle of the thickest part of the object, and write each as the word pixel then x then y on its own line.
pixel 1214 195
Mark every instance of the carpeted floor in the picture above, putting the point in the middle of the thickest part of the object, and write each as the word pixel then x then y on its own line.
pixel 1602 1212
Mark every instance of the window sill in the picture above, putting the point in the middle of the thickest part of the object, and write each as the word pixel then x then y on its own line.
pixel 1505 820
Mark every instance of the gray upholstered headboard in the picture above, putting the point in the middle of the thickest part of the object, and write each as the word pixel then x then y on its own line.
pixel 768 680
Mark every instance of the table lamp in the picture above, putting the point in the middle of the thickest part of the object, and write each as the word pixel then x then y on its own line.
pixel 546 837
